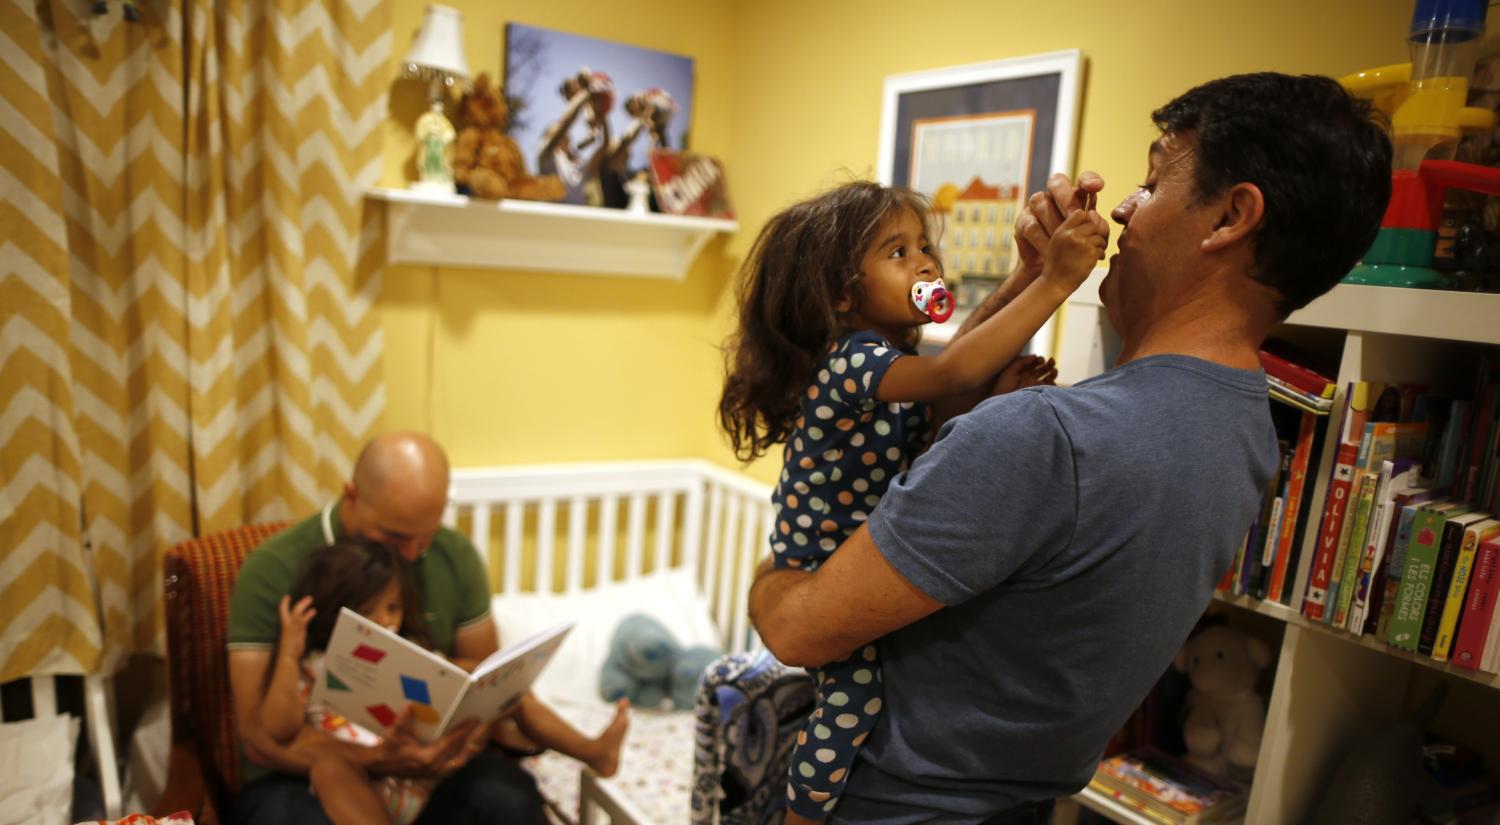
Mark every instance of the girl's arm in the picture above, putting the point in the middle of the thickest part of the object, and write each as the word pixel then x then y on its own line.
pixel 972 360
pixel 282 711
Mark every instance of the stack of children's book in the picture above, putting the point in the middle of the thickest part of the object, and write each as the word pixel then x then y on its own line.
pixel 1267 560
pixel 1165 789
pixel 1406 548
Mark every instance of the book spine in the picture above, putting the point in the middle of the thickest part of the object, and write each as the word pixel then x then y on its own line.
pixel 1316 603
pixel 1295 490
pixel 1478 440
pixel 1453 437
pixel 1457 591
pixel 1479 607
pixel 1442 578
pixel 1273 537
pixel 1296 375
pixel 1237 570
pixel 1395 568
pixel 1416 580
pixel 1376 608
pixel 1369 563
pixel 1354 553
pixel 1341 553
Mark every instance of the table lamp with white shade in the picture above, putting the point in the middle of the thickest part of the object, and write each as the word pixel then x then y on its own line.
pixel 437 56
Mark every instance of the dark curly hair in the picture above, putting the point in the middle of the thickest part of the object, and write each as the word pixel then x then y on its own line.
pixel 1319 156
pixel 349 573
pixel 804 262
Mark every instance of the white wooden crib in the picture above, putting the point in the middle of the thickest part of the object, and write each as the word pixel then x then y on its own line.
pixel 571 527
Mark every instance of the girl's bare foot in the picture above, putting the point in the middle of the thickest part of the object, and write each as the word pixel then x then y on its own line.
pixel 607 760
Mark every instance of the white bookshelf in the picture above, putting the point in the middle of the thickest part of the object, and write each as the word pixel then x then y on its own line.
pixel 458 231
pixel 1329 685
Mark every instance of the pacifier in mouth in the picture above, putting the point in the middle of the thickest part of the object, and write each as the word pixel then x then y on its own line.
pixel 933 300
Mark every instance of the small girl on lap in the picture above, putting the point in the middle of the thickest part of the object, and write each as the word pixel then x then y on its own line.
pixel 370 578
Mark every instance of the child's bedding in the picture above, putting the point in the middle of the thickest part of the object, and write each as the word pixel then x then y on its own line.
pixel 656 765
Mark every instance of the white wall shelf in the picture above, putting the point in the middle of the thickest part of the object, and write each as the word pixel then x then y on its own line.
pixel 453 230
pixel 1423 313
pixel 1276 610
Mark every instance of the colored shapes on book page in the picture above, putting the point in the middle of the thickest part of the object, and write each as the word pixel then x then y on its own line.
pixel 383 714
pixel 425 714
pixel 415 690
pixel 334 683
pixel 373 655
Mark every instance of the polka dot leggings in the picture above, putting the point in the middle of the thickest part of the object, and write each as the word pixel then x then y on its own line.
pixel 849 699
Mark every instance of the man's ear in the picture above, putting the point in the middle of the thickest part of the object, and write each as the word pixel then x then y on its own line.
pixel 1242 208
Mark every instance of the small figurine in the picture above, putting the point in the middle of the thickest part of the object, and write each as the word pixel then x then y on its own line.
pixel 640 194
pixel 435 150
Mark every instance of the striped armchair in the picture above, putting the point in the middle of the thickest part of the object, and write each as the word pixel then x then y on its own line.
pixel 204 766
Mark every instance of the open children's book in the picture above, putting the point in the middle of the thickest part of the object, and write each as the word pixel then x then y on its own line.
pixel 371 675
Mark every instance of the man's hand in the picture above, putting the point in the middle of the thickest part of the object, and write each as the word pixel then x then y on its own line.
pixel 294 619
pixel 1044 213
pixel 401 754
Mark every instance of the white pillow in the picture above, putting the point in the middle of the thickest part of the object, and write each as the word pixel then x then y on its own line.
pixel 670 597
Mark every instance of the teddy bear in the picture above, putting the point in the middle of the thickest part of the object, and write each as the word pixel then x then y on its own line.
pixel 1225 716
pixel 648 667
pixel 487 163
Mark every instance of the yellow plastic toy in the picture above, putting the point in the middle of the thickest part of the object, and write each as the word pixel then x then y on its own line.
pixel 1425 102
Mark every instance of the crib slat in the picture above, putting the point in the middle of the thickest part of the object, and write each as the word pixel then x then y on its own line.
pixel 713 545
pixel 726 568
pixel 546 537
pixel 750 541
pixel 450 516
pixel 692 527
pixel 666 529
pixel 515 515
pixel 635 536
pixel 480 534
pixel 578 510
pixel 608 524
pixel 43 696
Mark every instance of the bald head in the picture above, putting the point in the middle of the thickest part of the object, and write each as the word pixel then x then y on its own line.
pixel 399 490
pixel 402 463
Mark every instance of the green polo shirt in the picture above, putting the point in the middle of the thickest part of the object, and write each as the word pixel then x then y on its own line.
pixel 449 575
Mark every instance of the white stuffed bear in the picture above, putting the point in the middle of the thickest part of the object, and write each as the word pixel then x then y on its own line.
pixel 1225 715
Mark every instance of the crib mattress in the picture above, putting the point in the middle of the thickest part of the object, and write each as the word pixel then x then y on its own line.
pixel 656 766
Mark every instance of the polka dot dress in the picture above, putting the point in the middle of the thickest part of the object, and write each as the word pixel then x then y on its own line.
pixel 837 464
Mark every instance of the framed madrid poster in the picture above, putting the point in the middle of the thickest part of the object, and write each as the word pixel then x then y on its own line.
pixel 977 139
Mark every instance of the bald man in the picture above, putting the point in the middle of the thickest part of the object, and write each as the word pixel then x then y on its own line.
pixel 396 497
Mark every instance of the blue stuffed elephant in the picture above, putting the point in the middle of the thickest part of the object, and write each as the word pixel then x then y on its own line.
pixel 648 667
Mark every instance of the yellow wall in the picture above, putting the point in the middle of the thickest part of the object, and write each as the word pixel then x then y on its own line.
pixel 788 94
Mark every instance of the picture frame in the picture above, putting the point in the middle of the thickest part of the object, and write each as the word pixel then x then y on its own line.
pixel 590 111
pixel 977 139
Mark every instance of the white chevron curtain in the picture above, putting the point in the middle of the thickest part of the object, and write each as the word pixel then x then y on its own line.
pixel 187 279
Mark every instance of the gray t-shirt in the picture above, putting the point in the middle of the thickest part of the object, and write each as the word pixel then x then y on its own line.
pixel 1075 536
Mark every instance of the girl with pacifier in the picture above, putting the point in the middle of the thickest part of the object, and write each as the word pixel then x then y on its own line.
pixel 833 297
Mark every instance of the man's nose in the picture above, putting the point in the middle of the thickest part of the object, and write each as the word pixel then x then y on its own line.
pixel 1121 213
pixel 411 549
